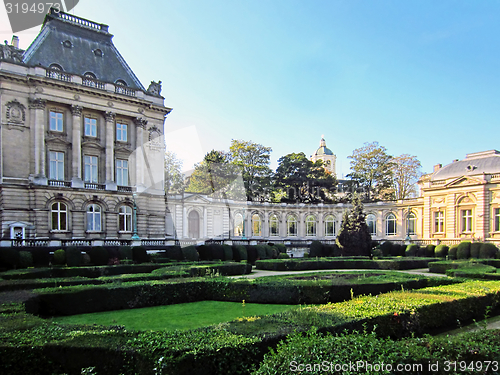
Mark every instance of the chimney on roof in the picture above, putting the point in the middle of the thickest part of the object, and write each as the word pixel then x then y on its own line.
pixel 437 167
pixel 15 41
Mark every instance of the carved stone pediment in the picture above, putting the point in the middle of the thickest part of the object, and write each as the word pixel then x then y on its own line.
pixel 197 199
pixel 92 144
pixel 57 138
pixel 464 181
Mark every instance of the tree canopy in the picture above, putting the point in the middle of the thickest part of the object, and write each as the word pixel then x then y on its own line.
pixel 406 172
pixel 253 159
pixel 174 179
pixel 354 237
pixel 301 180
pixel 372 168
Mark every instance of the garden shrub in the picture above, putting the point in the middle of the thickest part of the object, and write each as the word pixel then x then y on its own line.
pixel 125 252
pixel 190 253
pixel 306 255
pixel 25 259
pixel 387 248
pixel 452 252
pixel 421 251
pixel 60 257
pixel 441 251
pixel 73 256
pixel 281 247
pixel 215 252
pixel 269 252
pixel 139 254
pixel 475 248
pixel 174 252
pixel 463 250
pixel 430 250
pixel 283 256
pixel 99 255
pixel 472 270
pixel 41 257
pixel 487 251
pixel 316 249
pixel 377 253
pixel 239 253
pixel 228 252
pixel 261 252
pixel 204 252
pixel 9 257
pixel 411 250
pixel 251 254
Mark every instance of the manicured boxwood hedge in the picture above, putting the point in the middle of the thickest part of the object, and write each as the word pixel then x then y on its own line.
pixel 336 263
pixel 238 346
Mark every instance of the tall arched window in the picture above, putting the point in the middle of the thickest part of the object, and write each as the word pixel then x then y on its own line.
pixel 292 226
pixel 256 226
pixel 125 219
pixel 330 229
pixel 390 225
pixel 59 216
pixel 310 226
pixel 371 222
pixel 274 226
pixel 94 218
pixel 238 225
pixel 412 223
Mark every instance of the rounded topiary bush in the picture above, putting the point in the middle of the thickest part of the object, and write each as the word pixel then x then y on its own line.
pixel 59 257
pixel 239 253
pixel 441 251
pixel 430 250
pixel 387 248
pixel 269 252
pixel 139 254
pixel 306 255
pixel 452 252
pixel 204 252
pixel 475 247
pixel 125 252
pixel 376 253
pixel 283 256
pixel 190 253
pixel 463 250
pixel 99 255
pixel 41 257
pixel 216 252
pixel 488 250
pixel 25 259
pixel 411 250
pixel 281 247
pixel 73 256
pixel 251 254
pixel 261 252
pixel 174 252
pixel 316 249
pixel 228 252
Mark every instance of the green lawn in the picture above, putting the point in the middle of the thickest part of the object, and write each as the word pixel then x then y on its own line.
pixel 181 316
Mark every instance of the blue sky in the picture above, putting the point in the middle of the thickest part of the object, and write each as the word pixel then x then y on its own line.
pixel 420 77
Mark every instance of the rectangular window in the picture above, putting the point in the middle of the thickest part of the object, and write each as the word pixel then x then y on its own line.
pixel 90 127
pixel 56 165
pixel 497 219
pixel 330 228
pixel 273 226
pixel 466 220
pixel 56 121
pixel 121 132
pixel 90 169
pixel 122 172
pixel 439 222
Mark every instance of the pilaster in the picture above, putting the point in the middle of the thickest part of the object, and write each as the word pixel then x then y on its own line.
pixel 110 151
pixel 76 166
pixel 38 124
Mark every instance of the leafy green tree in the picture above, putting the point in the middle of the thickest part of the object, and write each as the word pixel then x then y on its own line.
pixel 372 168
pixel 215 175
pixel 406 172
pixel 354 236
pixel 174 178
pixel 253 159
pixel 298 179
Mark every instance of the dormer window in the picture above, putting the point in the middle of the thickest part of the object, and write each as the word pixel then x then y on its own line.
pixel 56 67
pixel 67 44
pixel 90 75
pixel 98 53
pixel 121 82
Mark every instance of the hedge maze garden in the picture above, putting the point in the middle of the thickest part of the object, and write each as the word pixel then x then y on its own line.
pixel 366 312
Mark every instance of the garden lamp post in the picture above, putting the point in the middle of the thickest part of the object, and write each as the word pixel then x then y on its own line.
pixel 135 236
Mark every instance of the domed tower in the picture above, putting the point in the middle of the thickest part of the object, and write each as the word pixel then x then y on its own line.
pixel 326 155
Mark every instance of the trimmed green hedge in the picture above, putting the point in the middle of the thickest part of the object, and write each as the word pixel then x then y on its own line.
pixel 237 347
pixel 336 263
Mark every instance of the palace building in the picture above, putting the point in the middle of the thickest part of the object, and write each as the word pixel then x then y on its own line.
pixel 81 139
pixel 82 162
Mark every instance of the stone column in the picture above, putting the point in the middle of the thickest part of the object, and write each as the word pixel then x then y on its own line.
pixel 38 105
pixel 110 151
pixel 140 165
pixel 205 222
pixel 184 223
pixel 76 166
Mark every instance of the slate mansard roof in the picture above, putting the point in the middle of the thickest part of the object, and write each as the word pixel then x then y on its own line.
pixel 487 162
pixel 79 46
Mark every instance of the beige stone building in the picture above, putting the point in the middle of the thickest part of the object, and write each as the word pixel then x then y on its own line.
pixel 81 139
